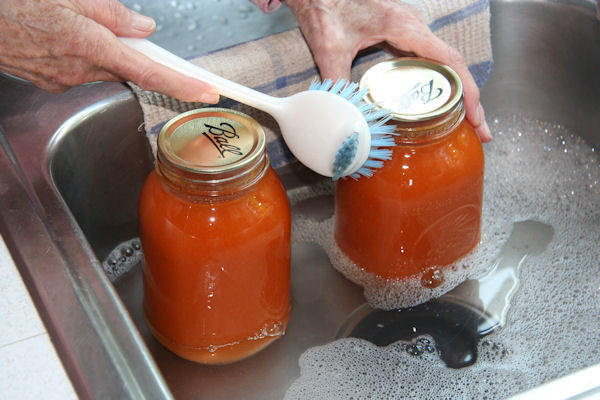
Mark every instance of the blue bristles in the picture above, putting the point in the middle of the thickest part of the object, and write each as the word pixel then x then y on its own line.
pixel 316 85
pixel 381 134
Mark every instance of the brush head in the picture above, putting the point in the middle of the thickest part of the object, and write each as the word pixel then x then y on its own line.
pixel 364 150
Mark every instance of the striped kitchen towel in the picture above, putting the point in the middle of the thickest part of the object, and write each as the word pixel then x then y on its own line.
pixel 282 64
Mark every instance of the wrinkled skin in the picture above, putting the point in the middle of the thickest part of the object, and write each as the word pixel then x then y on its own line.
pixel 336 30
pixel 57 44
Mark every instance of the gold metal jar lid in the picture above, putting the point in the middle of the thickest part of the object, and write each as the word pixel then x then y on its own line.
pixel 211 145
pixel 413 89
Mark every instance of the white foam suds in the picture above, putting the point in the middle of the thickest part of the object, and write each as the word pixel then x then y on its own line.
pixel 534 171
pixel 389 294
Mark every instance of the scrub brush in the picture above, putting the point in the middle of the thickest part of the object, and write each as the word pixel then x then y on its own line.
pixel 326 128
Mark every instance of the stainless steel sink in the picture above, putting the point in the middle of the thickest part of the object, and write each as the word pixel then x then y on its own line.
pixel 72 165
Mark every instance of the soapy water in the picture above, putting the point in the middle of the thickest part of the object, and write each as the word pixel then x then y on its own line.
pixel 457 320
pixel 535 171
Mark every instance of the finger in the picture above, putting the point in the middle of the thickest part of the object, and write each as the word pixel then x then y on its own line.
pixel 149 75
pixel 331 55
pixel 117 18
pixel 326 37
pixel 333 67
pixel 483 130
pixel 99 49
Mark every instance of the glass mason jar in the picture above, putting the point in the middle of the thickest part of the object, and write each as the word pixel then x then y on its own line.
pixel 215 232
pixel 421 212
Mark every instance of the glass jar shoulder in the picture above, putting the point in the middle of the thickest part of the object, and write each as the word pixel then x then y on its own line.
pixel 162 204
pixel 458 155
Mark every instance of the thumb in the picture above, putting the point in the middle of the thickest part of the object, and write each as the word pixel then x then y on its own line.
pixel 117 18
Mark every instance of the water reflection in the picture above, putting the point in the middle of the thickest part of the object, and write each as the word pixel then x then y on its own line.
pixel 457 320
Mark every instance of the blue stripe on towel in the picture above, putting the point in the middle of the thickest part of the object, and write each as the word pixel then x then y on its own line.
pixel 287 80
pixel 279 153
pixel 459 15
pixel 155 130
pixel 481 72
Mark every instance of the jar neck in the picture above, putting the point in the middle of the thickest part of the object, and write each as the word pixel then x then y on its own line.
pixel 431 130
pixel 222 185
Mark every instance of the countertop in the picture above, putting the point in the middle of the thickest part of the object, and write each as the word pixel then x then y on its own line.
pixel 30 366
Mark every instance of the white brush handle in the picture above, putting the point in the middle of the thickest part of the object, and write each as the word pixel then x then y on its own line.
pixel 224 86
pixel 313 123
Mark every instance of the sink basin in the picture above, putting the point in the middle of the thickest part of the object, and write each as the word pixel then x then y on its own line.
pixel 73 164
pixel 98 166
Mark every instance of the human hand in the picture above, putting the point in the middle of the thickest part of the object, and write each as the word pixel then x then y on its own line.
pixel 336 30
pixel 58 44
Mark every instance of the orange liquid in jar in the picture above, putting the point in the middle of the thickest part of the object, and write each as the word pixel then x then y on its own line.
pixel 421 211
pixel 215 231
pixel 216 274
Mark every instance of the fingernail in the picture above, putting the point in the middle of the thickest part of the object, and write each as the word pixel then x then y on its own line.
pixel 485 132
pixel 209 97
pixel 142 23
pixel 484 126
pixel 479 117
